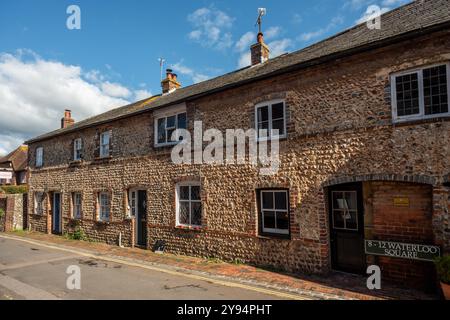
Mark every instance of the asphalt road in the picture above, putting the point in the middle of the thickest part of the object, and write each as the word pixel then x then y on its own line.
pixel 36 272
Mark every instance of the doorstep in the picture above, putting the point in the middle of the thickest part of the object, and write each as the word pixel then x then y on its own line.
pixel 336 286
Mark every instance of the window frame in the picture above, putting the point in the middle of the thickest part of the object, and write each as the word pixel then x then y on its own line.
pixel 269 104
pixel 421 115
pixel 74 206
pixel 133 202
pixel 39 157
pixel 356 211
pixel 101 151
pixel 100 206
pixel 36 202
pixel 277 233
pixel 165 117
pixel 177 204
pixel 78 142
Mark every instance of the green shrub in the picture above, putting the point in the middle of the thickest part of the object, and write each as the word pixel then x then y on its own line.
pixel 443 269
pixel 2 213
pixel 15 189
pixel 78 234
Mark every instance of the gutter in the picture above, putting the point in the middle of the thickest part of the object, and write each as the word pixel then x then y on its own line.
pixel 302 65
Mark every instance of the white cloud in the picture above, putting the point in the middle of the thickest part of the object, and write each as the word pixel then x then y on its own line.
pixel 141 94
pixel 115 90
pixel 357 4
pixel 245 41
pixel 336 21
pixel 272 32
pixel 369 14
pixel 195 76
pixel 211 28
pixel 245 60
pixel 8 143
pixel 94 76
pixel 279 47
pixel 34 93
pixel 195 35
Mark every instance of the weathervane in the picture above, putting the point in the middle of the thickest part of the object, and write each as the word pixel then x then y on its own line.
pixel 261 12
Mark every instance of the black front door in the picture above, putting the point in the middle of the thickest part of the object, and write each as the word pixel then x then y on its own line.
pixel 347 228
pixel 56 225
pixel 141 218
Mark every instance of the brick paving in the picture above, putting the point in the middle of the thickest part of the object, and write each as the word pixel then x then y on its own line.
pixel 334 286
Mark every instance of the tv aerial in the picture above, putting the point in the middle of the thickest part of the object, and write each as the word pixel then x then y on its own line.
pixel 161 66
pixel 261 13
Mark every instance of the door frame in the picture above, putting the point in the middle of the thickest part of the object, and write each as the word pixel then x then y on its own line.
pixel 358 187
pixel 136 215
pixel 59 231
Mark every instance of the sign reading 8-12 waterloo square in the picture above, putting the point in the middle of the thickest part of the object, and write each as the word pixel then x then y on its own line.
pixel 402 250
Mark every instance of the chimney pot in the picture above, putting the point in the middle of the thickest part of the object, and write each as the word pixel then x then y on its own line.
pixel 67 121
pixel 259 51
pixel 260 37
pixel 170 83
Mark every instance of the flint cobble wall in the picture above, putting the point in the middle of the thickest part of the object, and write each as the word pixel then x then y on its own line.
pixel 339 127
pixel 12 205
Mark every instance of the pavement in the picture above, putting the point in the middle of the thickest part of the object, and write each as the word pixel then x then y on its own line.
pixel 34 266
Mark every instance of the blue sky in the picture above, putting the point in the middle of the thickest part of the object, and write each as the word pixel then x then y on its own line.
pixel 113 59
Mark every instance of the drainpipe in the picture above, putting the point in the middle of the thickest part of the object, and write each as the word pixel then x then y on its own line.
pixel 120 240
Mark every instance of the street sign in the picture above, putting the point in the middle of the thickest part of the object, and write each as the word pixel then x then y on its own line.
pixel 402 250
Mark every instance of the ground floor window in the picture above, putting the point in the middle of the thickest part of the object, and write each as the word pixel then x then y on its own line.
pixel 189 205
pixel 274 212
pixel 104 206
pixel 76 208
pixel 39 203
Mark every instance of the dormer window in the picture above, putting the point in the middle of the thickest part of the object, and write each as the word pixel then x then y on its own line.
pixel 421 93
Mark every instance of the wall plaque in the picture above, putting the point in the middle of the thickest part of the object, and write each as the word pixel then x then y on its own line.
pixel 402 250
pixel 401 202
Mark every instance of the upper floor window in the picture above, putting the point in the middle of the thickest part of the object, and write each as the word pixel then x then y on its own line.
pixel 271 116
pixel 189 205
pixel 104 206
pixel 166 126
pixel 421 93
pixel 105 138
pixel 274 212
pixel 77 148
pixel 39 157
pixel 39 203
pixel 76 205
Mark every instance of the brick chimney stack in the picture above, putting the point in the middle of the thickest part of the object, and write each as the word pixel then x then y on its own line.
pixel 170 83
pixel 67 121
pixel 259 51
